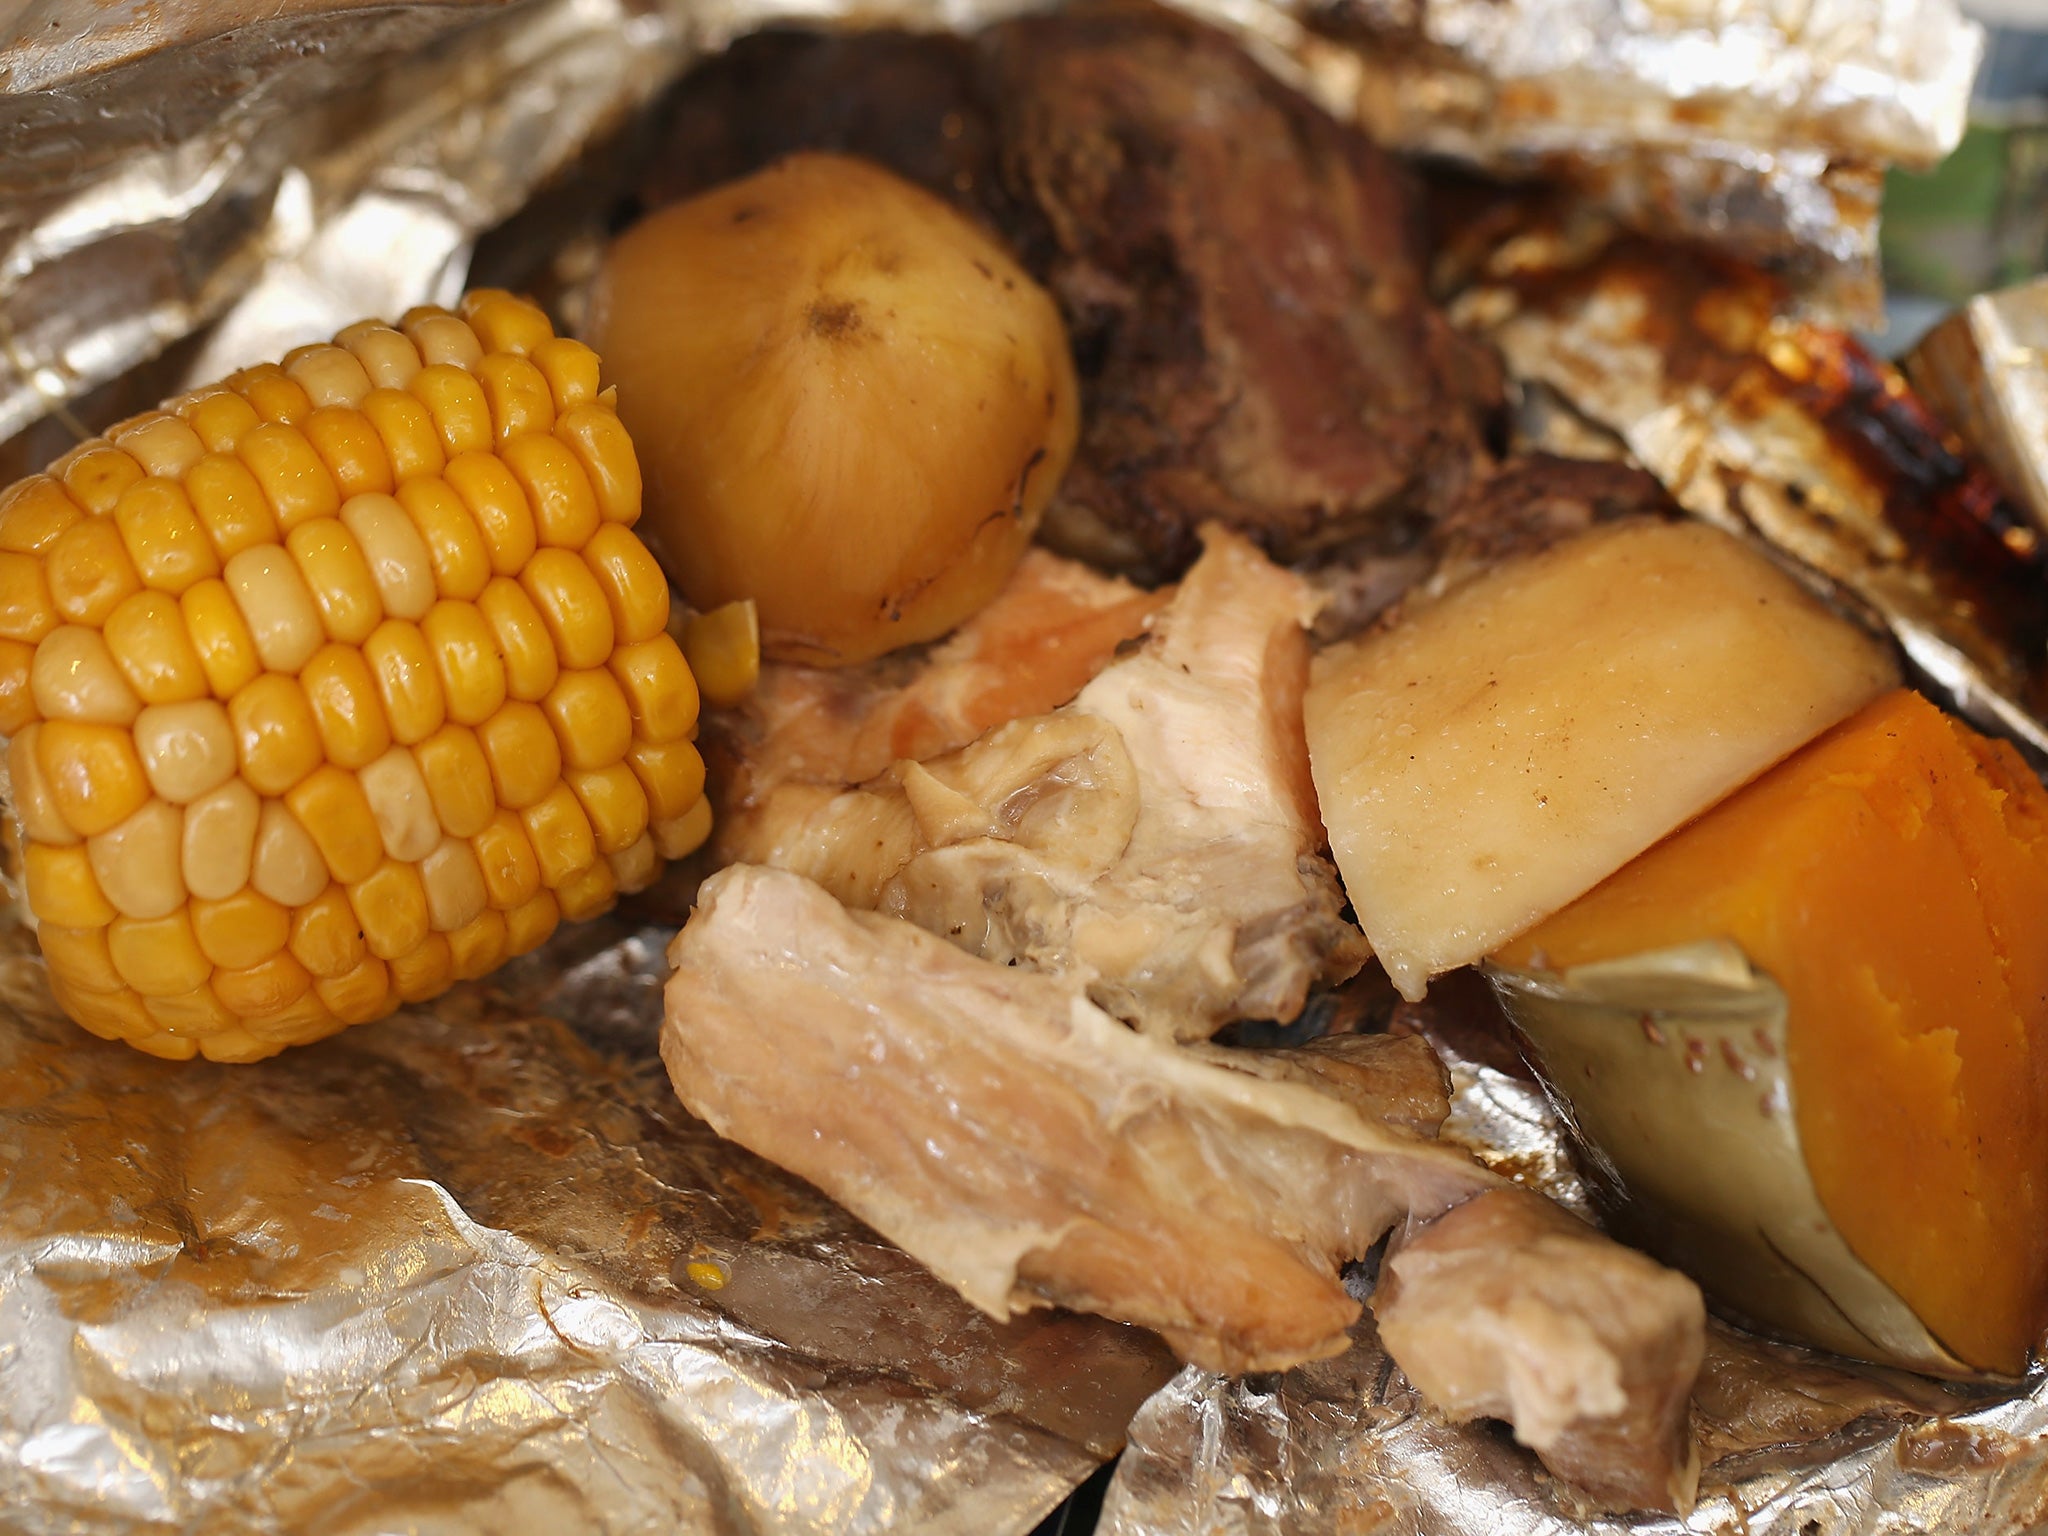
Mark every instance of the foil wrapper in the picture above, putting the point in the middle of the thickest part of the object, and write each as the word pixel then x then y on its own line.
pixel 1985 371
pixel 472 1269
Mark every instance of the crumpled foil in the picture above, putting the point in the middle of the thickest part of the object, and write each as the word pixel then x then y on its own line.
pixel 471 1269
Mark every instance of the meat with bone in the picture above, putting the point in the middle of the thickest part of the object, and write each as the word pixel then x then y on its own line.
pixel 1030 1150
pixel 1238 269
pixel 1509 1307
pixel 1157 839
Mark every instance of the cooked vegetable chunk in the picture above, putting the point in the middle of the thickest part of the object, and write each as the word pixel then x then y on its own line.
pixel 1893 880
pixel 1500 752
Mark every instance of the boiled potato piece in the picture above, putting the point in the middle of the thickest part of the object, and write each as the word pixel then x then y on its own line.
pixel 851 405
pixel 1503 750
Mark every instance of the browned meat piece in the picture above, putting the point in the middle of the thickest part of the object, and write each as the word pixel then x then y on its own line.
pixel 1511 1308
pixel 1392 1081
pixel 1157 840
pixel 1024 1145
pixel 1237 268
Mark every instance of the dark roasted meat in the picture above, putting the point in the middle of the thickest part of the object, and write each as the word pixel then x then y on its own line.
pixel 1238 269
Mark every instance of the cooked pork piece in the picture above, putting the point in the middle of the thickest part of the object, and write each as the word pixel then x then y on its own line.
pixel 1024 1145
pixel 1157 839
pixel 1055 624
pixel 1512 1308
pixel 1029 1150
pixel 1238 270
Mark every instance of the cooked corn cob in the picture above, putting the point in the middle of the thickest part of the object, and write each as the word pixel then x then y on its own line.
pixel 338 682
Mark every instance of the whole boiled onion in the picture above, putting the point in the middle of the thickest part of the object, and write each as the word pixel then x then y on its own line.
pixel 850 403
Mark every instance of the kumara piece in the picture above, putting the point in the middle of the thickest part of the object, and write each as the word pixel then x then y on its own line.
pixel 1837 1111
pixel 1493 755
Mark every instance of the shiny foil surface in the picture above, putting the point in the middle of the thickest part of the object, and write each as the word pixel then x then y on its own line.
pixel 472 1269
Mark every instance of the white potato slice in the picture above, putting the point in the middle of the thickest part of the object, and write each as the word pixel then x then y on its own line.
pixel 1499 753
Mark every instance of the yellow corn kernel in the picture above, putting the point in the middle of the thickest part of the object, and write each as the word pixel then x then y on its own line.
pixel 564 506
pixel 137 863
pixel 632 583
pixel 220 637
pixel 332 566
pixel 342 694
pixel 395 553
pixel 661 692
pixel 441 338
pixel 326 937
pixel 111 1015
pixel 276 741
pixel 330 375
pixel 75 677
pixel 388 359
pixel 595 435
pixel 147 638
pixel 458 778
pixel 504 322
pixel 455 401
pixel 406 428
pixel 285 864
pixel 391 908
pixel 685 834
pixel 478 946
pixel 88 571
pixel 586 893
pixel 263 989
pixel 33 512
pixel 724 651
pixel 162 445
pixel 79 957
pixel 330 804
pixel 615 803
pixel 275 395
pixel 62 889
pixel 423 972
pixel 636 867
pixel 297 1023
pixel 454 883
pixel 166 542
pixel 30 791
pixel 525 758
pixel 97 474
pixel 461 558
pixel 272 598
pixel 219 850
pixel 517 395
pixel 17 691
pixel 572 605
pixel 295 481
pixel 157 956
pixel 360 995
pixel 408 682
pixel 194 1015
pixel 590 717
pixel 349 445
pixel 466 659
pixel 560 834
pixel 505 855
pixel 27 610
pixel 399 800
pixel 522 638
pixel 498 507
pixel 94 778
pixel 244 930
pixel 671 772
pixel 221 418
pixel 187 750
pixel 528 925
pixel 571 370
pixel 229 505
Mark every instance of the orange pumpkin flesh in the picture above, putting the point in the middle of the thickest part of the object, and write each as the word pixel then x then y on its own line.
pixel 1892 877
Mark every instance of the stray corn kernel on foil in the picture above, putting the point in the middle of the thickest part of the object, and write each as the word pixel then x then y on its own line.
pixel 338 682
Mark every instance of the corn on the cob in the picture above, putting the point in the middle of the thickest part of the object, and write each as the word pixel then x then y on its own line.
pixel 338 682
